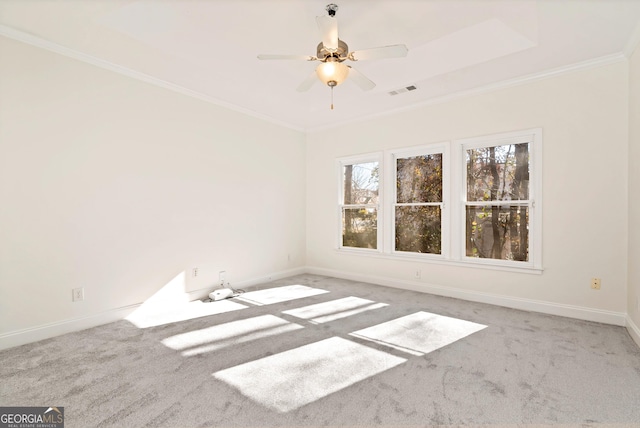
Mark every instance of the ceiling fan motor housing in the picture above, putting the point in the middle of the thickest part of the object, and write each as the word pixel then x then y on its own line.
pixel 341 53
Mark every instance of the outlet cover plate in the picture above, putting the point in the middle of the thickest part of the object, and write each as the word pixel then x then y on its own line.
pixel 77 294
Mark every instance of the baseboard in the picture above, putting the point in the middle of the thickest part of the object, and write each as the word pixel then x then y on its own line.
pixel 634 330
pixel 578 312
pixel 46 331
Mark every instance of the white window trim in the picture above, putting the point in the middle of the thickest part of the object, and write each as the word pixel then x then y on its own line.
pixel 534 138
pixel 351 160
pixel 391 156
pixel 453 197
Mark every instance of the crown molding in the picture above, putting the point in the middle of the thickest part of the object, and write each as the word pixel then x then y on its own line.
pixel 39 42
pixel 522 80
pixel 633 42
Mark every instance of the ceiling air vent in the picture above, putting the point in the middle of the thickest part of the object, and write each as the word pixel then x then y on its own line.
pixel 403 90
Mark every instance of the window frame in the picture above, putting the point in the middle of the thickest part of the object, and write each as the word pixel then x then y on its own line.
pixel 392 157
pixel 454 193
pixel 534 203
pixel 354 160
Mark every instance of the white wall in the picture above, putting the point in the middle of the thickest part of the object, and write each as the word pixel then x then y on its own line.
pixel 584 120
pixel 633 308
pixel 117 186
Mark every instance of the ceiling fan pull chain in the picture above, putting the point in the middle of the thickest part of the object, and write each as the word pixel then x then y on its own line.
pixel 332 98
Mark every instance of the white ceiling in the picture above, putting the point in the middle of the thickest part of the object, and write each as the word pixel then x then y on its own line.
pixel 208 48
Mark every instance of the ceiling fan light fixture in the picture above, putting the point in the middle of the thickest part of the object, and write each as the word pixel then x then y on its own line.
pixel 332 72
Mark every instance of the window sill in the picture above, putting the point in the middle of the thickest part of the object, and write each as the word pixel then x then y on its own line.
pixel 441 260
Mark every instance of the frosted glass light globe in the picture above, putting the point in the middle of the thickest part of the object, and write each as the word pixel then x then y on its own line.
pixel 332 73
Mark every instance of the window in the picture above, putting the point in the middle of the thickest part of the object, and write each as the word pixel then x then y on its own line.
pixel 477 206
pixel 419 200
pixel 359 209
pixel 500 220
pixel 497 202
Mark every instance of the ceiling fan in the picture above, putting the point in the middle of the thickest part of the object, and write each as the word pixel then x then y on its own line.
pixel 332 52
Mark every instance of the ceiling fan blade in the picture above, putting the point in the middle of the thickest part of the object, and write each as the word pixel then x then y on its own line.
pixel 328 27
pixel 360 79
pixel 393 51
pixel 295 57
pixel 308 82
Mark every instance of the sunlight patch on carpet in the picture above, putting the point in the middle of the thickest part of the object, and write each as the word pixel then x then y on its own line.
pixel 334 309
pixel 170 312
pixel 232 333
pixel 419 333
pixel 279 294
pixel 300 376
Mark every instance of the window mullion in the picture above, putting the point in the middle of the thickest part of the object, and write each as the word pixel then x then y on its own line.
pixel 499 203
pixel 419 204
pixel 355 206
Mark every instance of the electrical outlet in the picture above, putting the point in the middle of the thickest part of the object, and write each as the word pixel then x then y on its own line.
pixel 222 276
pixel 77 294
pixel 194 272
pixel 595 283
pixel 417 274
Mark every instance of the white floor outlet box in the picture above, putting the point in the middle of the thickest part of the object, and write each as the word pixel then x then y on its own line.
pixel 221 294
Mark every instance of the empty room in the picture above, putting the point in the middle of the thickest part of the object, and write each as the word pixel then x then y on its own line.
pixel 298 213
